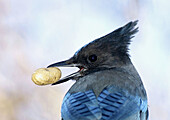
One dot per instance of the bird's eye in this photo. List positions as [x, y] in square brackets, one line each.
[92, 58]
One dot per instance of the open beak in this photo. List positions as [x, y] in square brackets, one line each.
[69, 63]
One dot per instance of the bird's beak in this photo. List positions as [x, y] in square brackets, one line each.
[68, 63]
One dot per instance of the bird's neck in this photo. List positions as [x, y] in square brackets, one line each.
[129, 68]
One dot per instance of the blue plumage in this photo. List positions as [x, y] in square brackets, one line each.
[81, 105]
[109, 105]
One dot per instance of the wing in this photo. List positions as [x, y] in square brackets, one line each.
[80, 106]
[119, 105]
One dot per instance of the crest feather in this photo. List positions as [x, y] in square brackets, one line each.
[116, 42]
[120, 38]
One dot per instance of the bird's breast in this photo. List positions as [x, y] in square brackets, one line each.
[97, 81]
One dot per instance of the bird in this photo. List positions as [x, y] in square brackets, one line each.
[107, 87]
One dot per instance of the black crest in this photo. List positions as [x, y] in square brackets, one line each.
[122, 37]
[116, 42]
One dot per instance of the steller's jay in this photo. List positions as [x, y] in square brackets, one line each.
[107, 86]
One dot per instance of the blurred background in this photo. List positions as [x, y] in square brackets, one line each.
[36, 33]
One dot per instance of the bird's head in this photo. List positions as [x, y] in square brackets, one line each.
[107, 52]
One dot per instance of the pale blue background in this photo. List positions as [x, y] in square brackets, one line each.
[35, 33]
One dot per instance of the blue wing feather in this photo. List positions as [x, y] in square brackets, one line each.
[118, 104]
[111, 104]
[81, 105]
